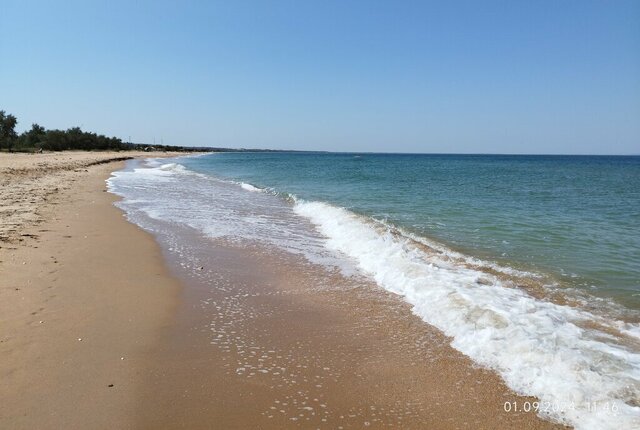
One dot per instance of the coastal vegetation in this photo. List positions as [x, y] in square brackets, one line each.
[40, 139]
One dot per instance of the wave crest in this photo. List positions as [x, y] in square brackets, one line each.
[553, 352]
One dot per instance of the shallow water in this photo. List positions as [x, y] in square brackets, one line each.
[579, 355]
[576, 217]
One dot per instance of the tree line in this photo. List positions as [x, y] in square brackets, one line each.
[38, 138]
[53, 140]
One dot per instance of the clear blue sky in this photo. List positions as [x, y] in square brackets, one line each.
[400, 76]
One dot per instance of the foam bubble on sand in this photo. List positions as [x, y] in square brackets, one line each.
[587, 378]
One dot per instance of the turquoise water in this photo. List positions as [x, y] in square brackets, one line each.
[573, 217]
[570, 220]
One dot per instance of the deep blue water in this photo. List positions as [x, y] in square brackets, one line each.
[574, 217]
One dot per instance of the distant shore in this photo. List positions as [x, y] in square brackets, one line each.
[98, 330]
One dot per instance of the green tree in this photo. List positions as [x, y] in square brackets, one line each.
[8, 134]
[36, 129]
[35, 136]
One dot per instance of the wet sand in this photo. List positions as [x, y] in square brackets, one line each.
[102, 328]
[289, 345]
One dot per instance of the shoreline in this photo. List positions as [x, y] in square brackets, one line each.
[83, 293]
[291, 353]
[359, 352]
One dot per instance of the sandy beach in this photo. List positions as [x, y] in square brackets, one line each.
[82, 295]
[100, 328]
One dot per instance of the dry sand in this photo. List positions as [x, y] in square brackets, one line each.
[82, 294]
[97, 332]
[28, 182]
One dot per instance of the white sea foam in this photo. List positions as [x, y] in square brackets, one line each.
[219, 209]
[539, 348]
[473, 261]
[250, 187]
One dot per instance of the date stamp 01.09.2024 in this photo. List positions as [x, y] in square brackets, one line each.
[556, 407]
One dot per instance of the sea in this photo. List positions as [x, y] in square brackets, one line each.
[529, 264]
